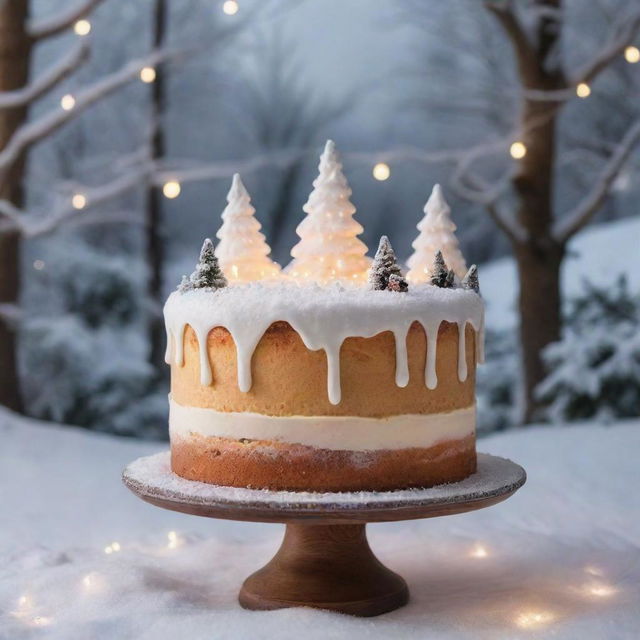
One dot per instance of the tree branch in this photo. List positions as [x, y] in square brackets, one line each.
[503, 11]
[577, 218]
[624, 32]
[30, 225]
[49, 79]
[34, 131]
[481, 192]
[48, 27]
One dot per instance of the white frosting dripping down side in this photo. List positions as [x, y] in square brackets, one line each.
[342, 433]
[324, 317]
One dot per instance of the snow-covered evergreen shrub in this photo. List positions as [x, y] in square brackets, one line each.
[497, 382]
[594, 370]
[84, 352]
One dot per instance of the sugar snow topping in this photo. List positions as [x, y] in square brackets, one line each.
[323, 317]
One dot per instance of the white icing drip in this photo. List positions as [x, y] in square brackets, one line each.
[203, 353]
[402, 359]
[462, 352]
[177, 338]
[430, 377]
[333, 372]
[323, 317]
[480, 342]
[343, 433]
[169, 350]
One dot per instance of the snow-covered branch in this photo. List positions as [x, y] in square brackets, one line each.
[95, 196]
[624, 32]
[47, 27]
[474, 188]
[586, 208]
[34, 131]
[49, 79]
[504, 13]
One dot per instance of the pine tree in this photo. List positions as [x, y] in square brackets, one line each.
[185, 285]
[328, 247]
[208, 274]
[450, 279]
[470, 280]
[242, 250]
[385, 269]
[384, 264]
[436, 234]
[439, 271]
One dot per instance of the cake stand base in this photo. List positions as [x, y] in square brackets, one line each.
[326, 567]
[325, 560]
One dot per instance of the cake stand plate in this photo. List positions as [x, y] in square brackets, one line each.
[325, 560]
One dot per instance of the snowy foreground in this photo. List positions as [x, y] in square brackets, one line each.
[81, 557]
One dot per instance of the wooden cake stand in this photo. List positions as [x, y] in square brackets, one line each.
[325, 560]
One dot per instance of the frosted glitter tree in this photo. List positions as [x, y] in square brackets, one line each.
[207, 274]
[328, 248]
[436, 234]
[242, 250]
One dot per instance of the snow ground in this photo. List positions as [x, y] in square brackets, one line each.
[562, 555]
[600, 254]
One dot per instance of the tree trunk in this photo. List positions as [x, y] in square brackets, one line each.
[154, 239]
[539, 307]
[539, 256]
[15, 57]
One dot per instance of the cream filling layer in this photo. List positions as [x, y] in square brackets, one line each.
[343, 433]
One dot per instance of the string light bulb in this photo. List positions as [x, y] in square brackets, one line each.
[171, 189]
[532, 619]
[479, 551]
[632, 54]
[79, 201]
[599, 590]
[230, 7]
[583, 90]
[82, 27]
[518, 150]
[147, 74]
[67, 102]
[381, 171]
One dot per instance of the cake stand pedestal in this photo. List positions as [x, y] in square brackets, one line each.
[325, 560]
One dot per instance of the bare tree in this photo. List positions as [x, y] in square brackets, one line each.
[153, 221]
[19, 35]
[522, 199]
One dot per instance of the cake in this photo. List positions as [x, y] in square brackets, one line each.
[324, 377]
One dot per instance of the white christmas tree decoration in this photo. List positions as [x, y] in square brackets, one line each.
[242, 250]
[436, 234]
[328, 248]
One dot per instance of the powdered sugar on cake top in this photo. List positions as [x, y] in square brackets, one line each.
[323, 316]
